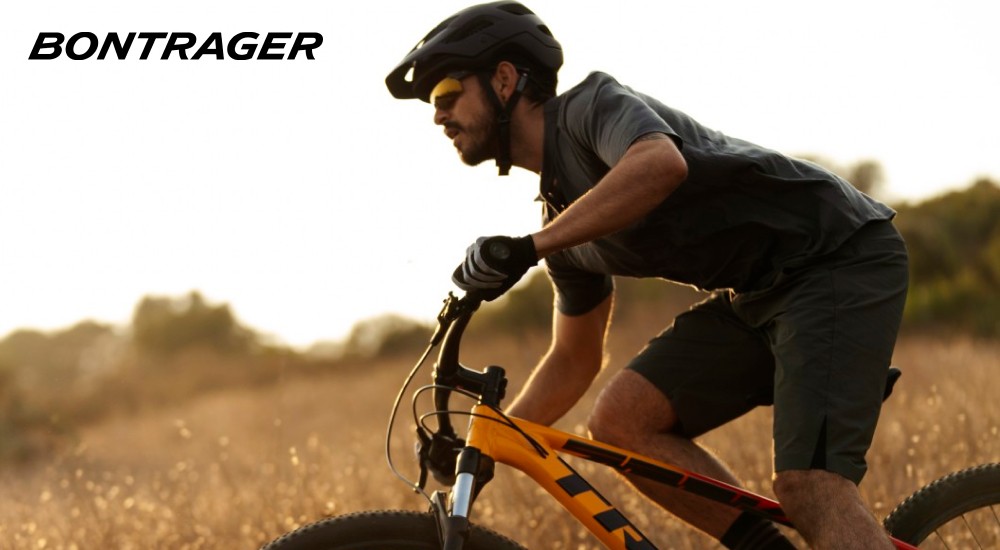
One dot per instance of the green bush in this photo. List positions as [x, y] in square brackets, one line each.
[954, 246]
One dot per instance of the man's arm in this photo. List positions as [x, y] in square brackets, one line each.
[650, 170]
[567, 369]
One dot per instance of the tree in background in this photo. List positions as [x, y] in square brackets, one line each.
[954, 245]
[384, 335]
[39, 374]
[167, 325]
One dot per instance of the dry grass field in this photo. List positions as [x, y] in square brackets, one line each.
[234, 469]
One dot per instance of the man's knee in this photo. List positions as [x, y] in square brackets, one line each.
[827, 510]
[790, 486]
[630, 408]
[604, 425]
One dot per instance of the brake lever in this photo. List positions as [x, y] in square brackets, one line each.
[453, 308]
[421, 446]
[438, 454]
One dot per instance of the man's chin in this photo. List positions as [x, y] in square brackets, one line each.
[473, 159]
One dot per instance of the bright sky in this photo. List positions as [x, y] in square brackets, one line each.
[303, 195]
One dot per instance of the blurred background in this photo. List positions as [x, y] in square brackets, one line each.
[209, 266]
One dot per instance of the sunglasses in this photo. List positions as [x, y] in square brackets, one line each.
[445, 92]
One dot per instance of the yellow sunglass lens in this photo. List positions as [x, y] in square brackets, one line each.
[448, 85]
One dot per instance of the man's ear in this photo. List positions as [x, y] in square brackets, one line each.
[504, 80]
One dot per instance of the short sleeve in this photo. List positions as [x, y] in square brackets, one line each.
[610, 117]
[577, 291]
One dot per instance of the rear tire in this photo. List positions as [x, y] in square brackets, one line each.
[383, 529]
[960, 510]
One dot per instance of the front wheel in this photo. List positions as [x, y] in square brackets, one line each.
[960, 510]
[380, 530]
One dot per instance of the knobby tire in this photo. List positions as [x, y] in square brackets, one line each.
[960, 510]
[383, 529]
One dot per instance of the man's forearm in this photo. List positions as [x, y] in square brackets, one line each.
[648, 173]
[552, 389]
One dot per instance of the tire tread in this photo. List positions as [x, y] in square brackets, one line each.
[943, 500]
[352, 530]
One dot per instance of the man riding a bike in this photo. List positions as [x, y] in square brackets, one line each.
[808, 275]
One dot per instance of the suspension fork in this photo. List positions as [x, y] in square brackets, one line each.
[473, 471]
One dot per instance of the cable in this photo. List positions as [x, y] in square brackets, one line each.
[504, 419]
[392, 419]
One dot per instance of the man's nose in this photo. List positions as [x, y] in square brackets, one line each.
[440, 116]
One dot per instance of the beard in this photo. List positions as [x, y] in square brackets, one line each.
[481, 141]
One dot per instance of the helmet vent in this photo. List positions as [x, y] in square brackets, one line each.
[546, 30]
[437, 30]
[472, 27]
[516, 9]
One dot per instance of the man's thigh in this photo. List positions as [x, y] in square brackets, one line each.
[710, 365]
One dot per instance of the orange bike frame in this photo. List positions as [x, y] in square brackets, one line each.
[492, 435]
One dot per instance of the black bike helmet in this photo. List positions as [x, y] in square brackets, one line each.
[476, 38]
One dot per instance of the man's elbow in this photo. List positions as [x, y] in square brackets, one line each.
[676, 172]
[662, 159]
[668, 167]
[673, 167]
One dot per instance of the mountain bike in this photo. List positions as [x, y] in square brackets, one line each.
[959, 510]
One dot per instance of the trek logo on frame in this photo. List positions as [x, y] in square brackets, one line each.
[177, 45]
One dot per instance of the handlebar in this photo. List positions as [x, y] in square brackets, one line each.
[457, 312]
[452, 321]
[438, 450]
[449, 373]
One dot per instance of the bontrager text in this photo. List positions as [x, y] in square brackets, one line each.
[177, 45]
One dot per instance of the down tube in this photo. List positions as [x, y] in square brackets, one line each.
[496, 439]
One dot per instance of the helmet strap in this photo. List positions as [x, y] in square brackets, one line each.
[503, 117]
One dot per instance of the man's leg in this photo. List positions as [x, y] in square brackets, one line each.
[633, 414]
[703, 371]
[828, 511]
[832, 327]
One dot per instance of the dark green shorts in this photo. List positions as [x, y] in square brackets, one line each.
[817, 345]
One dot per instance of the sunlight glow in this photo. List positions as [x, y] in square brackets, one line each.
[303, 195]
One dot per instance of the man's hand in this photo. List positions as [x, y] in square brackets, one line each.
[494, 264]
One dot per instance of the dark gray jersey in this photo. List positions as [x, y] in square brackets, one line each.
[743, 214]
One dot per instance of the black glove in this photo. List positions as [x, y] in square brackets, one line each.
[494, 264]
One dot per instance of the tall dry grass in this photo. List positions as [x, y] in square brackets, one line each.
[236, 468]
